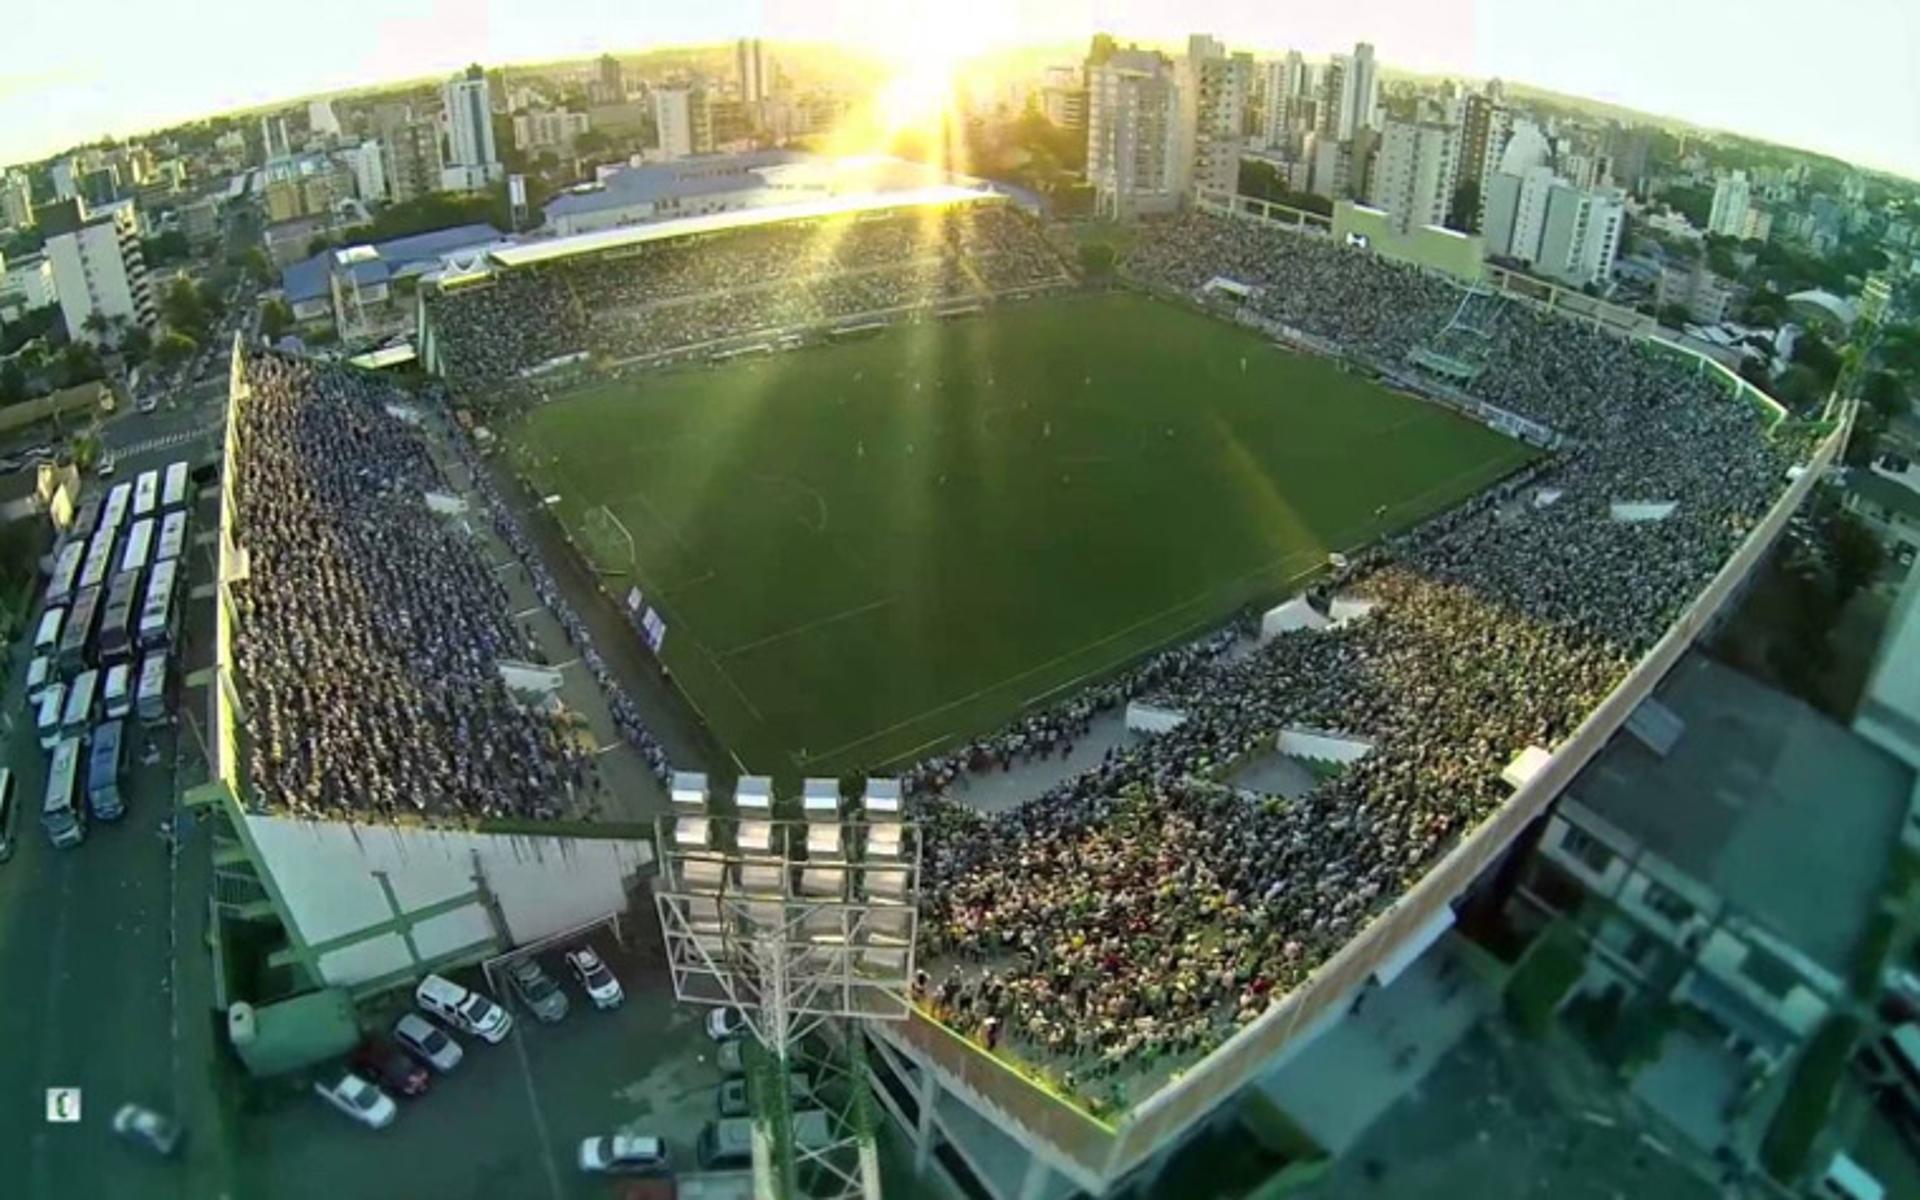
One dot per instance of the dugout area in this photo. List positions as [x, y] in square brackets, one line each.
[865, 551]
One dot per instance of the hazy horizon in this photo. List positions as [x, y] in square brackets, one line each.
[1717, 66]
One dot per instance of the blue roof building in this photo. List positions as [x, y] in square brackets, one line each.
[353, 286]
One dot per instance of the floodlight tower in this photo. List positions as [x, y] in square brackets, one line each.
[797, 922]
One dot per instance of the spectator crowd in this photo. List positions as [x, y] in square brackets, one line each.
[1136, 914]
[675, 295]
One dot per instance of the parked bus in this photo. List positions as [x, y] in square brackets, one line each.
[66, 572]
[106, 768]
[46, 722]
[176, 493]
[115, 513]
[99, 561]
[150, 699]
[139, 551]
[86, 520]
[146, 494]
[65, 821]
[116, 694]
[80, 698]
[159, 616]
[39, 678]
[76, 636]
[173, 536]
[46, 639]
[117, 619]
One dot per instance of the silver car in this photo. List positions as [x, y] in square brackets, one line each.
[537, 990]
[428, 1042]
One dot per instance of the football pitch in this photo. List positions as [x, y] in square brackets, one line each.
[867, 550]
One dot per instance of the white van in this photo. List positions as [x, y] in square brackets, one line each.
[39, 677]
[117, 694]
[46, 639]
[53, 704]
[465, 1010]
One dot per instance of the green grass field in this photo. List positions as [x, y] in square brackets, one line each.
[864, 551]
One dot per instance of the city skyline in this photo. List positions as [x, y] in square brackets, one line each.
[1717, 66]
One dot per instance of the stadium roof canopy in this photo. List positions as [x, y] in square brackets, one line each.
[633, 235]
[380, 261]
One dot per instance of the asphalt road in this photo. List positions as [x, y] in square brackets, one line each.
[107, 986]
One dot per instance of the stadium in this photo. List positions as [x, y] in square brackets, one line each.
[889, 490]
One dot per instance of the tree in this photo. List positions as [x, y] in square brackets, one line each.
[1882, 390]
[173, 348]
[1763, 306]
[1463, 213]
[166, 248]
[13, 383]
[95, 323]
[79, 362]
[183, 309]
[1857, 554]
[275, 319]
[1673, 316]
[1817, 355]
[319, 244]
[86, 451]
[135, 344]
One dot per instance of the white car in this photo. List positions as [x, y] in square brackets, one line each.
[595, 980]
[428, 1042]
[360, 1100]
[624, 1154]
[107, 467]
[148, 404]
[725, 1024]
[464, 1010]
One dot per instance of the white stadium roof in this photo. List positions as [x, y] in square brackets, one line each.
[633, 235]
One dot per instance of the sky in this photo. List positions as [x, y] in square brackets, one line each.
[1841, 76]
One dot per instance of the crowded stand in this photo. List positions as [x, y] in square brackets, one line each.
[672, 295]
[1138, 913]
[370, 631]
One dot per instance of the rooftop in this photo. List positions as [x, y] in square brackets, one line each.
[1889, 494]
[769, 177]
[378, 261]
[1760, 788]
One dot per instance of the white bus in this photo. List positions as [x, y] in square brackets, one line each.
[46, 722]
[99, 561]
[159, 616]
[46, 639]
[173, 536]
[76, 635]
[146, 494]
[117, 619]
[78, 716]
[65, 820]
[115, 513]
[139, 549]
[66, 571]
[177, 491]
[116, 695]
[150, 701]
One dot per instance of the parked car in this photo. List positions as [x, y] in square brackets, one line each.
[731, 1058]
[390, 1067]
[428, 1042]
[733, 1094]
[595, 980]
[144, 1127]
[624, 1154]
[106, 466]
[148, 404]
[537, 990]
[724, 1024]
[465, 1010]
[360, 1100]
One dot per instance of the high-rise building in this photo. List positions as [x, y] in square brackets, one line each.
[1582, 235]
[1514, 213]
[613, 79]
[1333, 87]
[1213, 88]
[750, 66]
[1484, 127]
[1285, 98]
[16, 201]
[1359, 92]
[369, 172]
[98, 270]
[548, 129]
[321, 119]
[1731, 195]
[1414, 172]
[472, 159]
[66, 181]
[409, 152]
[274, 142]
[1063, 98]
[1133, 134]
[682, 121]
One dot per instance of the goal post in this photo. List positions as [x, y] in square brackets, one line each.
[606, 543]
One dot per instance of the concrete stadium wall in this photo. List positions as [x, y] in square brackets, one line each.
[1461, 255]
[447, 891]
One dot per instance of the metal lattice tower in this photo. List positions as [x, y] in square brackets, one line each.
[802, 923]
